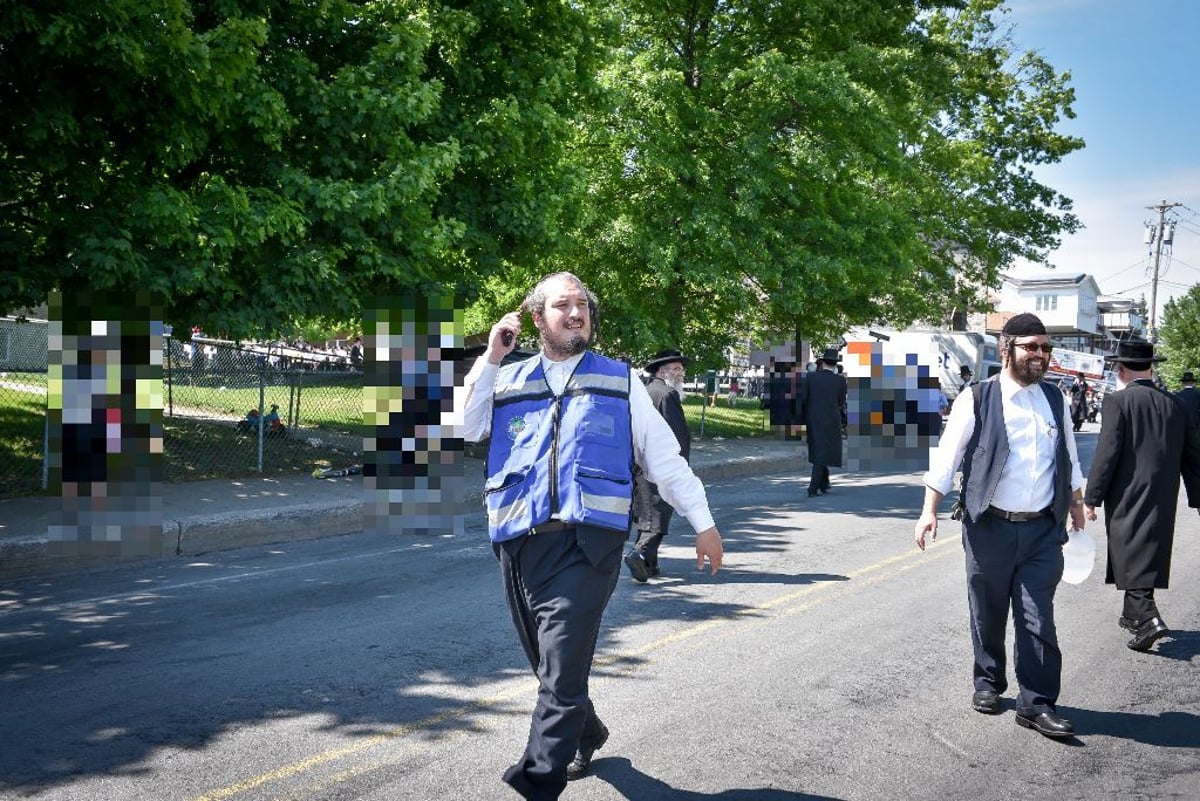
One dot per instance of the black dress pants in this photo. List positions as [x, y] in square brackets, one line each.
[1015, 565]
[648, 539]
[818, 480]
[1140, 605]
[557, 586]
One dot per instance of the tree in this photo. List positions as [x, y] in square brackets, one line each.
[256, 162]
[762, 168]
[1179, 336]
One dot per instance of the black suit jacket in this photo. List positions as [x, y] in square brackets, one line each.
[1146, 444]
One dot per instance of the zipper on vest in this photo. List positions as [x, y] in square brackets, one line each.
[555, 416]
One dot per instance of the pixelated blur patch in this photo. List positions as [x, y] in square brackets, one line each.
[412, 454]
[105, 424]
[892, 410]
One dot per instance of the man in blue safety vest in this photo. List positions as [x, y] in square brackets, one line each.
[567, 426]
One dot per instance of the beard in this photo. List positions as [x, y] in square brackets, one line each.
[565, 345]
[1029, 371]
[677, 385]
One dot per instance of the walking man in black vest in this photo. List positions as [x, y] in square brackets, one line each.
[1021, 479]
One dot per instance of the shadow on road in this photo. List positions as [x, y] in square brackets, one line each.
[633, 784]
[1167, 730]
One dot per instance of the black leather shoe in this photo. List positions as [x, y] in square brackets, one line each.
[986, 701]
[637, 566]
[1127, 623]
[583, 757]
[812, 493]
[1146, 633]
[1047, 723]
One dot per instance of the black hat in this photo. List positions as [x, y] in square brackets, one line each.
[1135, 351]
[830, 356]
[1188, 376]
[1024, 325]
[666, 357]
[965, 370]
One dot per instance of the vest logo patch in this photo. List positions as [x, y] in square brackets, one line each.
[515, 427]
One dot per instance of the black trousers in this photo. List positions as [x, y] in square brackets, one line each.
[818, 480]
[1015, 565]
[1140, 605]
[557, 587]
[648, 539]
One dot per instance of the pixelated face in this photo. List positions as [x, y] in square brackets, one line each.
[565, 321]
[1030, 359]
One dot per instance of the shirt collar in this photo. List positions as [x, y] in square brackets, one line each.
[1009, 388]
[568, 365]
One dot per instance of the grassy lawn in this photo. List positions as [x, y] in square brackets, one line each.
[201, 449]
[22, 432]
[325, 401]
[743, 419]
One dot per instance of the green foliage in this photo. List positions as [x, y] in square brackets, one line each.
[1179, 337]
[763, 168]
[254, 163]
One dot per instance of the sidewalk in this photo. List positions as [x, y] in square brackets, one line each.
[204, 516]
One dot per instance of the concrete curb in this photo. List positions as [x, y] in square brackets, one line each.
[32, 556]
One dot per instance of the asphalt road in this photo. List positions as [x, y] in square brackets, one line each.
[830, 659]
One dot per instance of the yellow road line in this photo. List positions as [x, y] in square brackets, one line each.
[486, 704]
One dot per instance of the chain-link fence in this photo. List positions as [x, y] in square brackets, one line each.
[227, 412]
[236, 411]
[22, 431]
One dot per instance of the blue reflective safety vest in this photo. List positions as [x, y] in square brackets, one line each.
[567, 456]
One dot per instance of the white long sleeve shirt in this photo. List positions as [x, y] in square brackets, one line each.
[655, 448]
[1027, 481]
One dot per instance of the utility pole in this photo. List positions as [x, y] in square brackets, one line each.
[1157, 237]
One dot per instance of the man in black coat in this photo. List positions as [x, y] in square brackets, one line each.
[1190, 395]
[1146, 443]
[652, 515]
[822, 405]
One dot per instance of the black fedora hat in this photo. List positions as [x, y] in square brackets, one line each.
[666, 357]
[1135, 351]
[830, 356]
[1188, 376]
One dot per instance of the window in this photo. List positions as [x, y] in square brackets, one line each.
[1046, 303]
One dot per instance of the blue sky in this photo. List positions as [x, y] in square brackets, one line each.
[1135, 67]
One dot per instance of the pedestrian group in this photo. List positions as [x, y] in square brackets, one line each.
[578, 447]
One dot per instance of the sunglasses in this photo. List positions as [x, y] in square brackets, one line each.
[1034, 347]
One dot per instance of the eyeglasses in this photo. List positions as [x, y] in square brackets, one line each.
[1034, 347]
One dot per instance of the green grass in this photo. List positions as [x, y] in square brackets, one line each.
[743, 419]
[199, 449]
[333, 403]
[22, 432]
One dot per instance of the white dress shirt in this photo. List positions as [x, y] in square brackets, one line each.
[1027, 481]
[654, 445]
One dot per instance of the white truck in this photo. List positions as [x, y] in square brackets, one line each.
[949, 349]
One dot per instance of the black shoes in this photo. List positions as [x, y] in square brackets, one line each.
[1127, 623]
[1147, 633]
[1046, 723]
[583, 758]
[637, 566]
[986, 701]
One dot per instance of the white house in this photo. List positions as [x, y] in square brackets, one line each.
[1066, 303]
